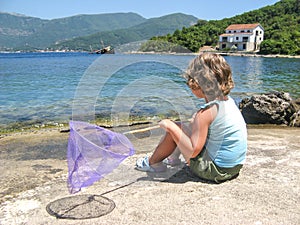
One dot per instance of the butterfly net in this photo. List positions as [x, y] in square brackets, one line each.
[93, 152]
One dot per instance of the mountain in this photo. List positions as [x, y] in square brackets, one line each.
[23, 32]
[151, 27]
[280, 22]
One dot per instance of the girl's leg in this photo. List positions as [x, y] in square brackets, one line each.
[165, 148]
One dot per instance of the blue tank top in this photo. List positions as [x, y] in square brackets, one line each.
[227, 135]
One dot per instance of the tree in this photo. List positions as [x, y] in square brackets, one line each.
[280, 21]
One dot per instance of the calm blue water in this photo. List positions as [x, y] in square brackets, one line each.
[37, 88]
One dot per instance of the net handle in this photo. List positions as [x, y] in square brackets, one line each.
[142, 130]
[148, 128]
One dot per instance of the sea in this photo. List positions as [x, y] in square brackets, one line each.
[52, 88]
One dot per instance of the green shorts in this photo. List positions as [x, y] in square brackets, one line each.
[203, 167]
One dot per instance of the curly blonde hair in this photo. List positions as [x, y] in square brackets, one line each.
[212, 74]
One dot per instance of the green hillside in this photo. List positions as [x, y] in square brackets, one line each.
[281, 23]
[14, 28]
[23, 32]
[143, 31]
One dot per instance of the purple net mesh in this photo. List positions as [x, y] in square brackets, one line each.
[93, 152]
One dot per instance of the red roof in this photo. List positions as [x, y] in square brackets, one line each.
[239, 33]
[226, 35]
[242, 26]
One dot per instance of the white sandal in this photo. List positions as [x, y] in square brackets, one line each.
[142, 164]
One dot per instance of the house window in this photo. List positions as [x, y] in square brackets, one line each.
[257, 32]
[229, 32]
[234, 31]
[237, 38]
[244, 46]
[245, 39]
[224, 39]
[223, 46]
[248, 31]
[242, 31]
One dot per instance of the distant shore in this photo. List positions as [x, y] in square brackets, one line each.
[241, 54]
[258, 55]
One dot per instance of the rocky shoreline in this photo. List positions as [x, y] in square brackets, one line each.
[268, 108]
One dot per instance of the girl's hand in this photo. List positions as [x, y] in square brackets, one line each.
[165, 124]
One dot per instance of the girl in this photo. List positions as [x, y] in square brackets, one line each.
[215, 143]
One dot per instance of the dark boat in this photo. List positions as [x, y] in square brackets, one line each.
[103, 50]
[106, 50]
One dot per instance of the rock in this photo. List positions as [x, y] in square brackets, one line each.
[295, 120]
[271, 108]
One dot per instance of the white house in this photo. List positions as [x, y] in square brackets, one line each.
[242, 37]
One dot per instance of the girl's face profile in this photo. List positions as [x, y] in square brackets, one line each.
[198, 93]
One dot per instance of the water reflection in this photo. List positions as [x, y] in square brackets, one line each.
[247, 74]
[254, 75]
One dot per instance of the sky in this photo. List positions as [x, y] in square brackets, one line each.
[202, 9]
